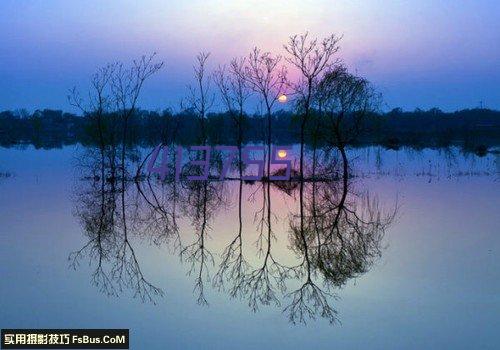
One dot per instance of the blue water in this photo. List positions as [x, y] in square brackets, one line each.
[436, 284]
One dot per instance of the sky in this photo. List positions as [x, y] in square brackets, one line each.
[417, 53]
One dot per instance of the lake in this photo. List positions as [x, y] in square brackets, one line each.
[404, 255]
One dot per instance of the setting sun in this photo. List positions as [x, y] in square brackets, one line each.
[282, 99]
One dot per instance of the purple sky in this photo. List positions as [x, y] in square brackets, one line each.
[417, 53]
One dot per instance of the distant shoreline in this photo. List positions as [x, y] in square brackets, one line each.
[473, 130]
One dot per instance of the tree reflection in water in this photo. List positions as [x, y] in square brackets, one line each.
[335, 234]
[107, 217]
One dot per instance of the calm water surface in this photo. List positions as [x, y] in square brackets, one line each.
[419, 267]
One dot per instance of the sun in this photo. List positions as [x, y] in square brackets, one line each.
[282, 153]
[282, 98]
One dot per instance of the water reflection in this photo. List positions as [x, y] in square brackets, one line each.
[107, 218]
[335, 231]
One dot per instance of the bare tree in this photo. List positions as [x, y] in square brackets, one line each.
[346, 100]
[99, 100]
[114, 92]
[98, 104]
[126, 86]
[200, 98]
[267, 78]
[234, 92]
[312, 58]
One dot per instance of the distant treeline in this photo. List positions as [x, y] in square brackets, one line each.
[473, 129]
